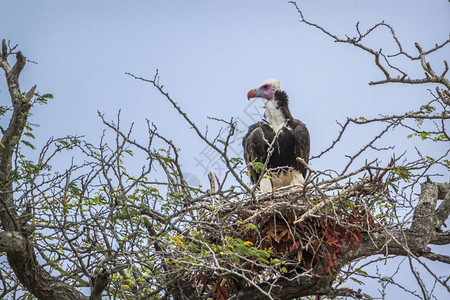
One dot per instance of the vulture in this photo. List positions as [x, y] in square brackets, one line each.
[278, 140]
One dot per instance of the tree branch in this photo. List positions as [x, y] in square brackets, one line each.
[99, 283]
[14, 239]
[431, 76]
[23, 261]
[443, 211]
[424, 213]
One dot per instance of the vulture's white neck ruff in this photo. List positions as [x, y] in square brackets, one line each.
[274, 116]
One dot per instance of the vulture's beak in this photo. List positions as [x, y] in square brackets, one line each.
[252, 94]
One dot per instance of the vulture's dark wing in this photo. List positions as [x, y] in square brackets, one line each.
[302, 144]
[292, 142]
[255, 146]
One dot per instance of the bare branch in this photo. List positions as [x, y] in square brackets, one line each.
[431, 76]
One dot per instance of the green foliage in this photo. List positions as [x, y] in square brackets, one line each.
[202, 251]
[28, 170]
[440, 137]
[28, 144]
[236, 161]
[124, 284]
[403, 172]
[236, 248]
[426, 135]
[3, 110]
[447, 162]
[42, 99]
[427, 109]
[250, 226]
[257, 166]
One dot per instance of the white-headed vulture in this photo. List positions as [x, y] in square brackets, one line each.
[277, 140]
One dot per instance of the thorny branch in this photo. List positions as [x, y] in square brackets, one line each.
[431, 75]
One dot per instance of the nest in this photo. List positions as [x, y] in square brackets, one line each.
[300, 234]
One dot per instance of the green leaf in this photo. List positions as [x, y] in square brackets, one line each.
[257, 166]
[440, 137]
[26, 143]
[275, 261]
[424, 135]
[236, 161]
[357, 281]
[250, 226]
[403, 172]
[428, 108]
[29, 134]
[42, 99]
[362, 272]
[447, 162]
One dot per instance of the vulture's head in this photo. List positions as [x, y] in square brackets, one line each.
[266, 90]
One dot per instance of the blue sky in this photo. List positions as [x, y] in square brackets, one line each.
[209, 54]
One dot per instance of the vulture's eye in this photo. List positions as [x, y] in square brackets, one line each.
[265, 87]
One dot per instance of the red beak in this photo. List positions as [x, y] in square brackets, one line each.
[251, 94]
